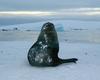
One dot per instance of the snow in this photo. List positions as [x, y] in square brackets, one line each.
[81, 44]
[14, 64]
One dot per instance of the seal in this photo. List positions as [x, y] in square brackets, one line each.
[44, 52]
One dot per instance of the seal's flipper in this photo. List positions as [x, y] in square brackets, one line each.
[71, 60]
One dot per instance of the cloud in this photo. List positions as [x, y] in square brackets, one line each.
[59, 12]
[6, 5]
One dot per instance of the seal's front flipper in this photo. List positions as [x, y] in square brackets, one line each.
[71, 60]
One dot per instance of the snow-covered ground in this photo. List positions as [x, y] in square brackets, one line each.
[82, 43]
[14, 64]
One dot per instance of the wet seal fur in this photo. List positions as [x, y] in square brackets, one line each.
[44, 52]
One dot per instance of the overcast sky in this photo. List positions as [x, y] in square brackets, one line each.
[37, 10]
[26, 5]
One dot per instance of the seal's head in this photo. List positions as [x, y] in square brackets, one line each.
[48, 27]
[48, 33]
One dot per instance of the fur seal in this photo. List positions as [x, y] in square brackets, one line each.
[44, 52]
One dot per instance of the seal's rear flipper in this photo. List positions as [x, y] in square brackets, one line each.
[71, 60]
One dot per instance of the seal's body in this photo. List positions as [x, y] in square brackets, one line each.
[44, 51]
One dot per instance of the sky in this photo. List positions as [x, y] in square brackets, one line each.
[27, 5]
[47, 7]
[50, 9]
